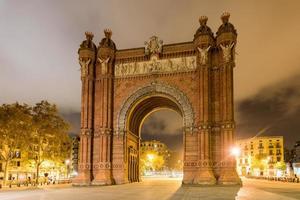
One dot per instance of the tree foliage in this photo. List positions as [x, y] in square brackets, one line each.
[152, 161]
[260, 161]
[280, 166]
[15, 126]
[49, 138]
[39, 130]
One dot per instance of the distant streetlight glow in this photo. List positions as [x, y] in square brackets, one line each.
[67, 161]
[150, 157]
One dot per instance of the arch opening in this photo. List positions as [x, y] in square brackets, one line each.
[147, 106]
[161, 148]
[138, 113]
[135, 110]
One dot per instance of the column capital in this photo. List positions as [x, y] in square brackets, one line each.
[86, 132]
[102, 131]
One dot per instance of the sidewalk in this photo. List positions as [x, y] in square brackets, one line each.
[22, 188]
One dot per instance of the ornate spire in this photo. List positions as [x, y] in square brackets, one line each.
[225, 17]
[226, 25]
[203, 20]
[89, 35]
[203, 29]
[107, 33]
[88, 43]
[107, 41]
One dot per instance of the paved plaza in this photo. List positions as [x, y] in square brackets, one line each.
[159, 189]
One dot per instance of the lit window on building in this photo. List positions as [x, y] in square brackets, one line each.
[278, 145]
[18, 154]
[278, 151]
[278, 159]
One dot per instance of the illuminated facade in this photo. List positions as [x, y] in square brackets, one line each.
[154, 145]
[20, 168]
[259, 156]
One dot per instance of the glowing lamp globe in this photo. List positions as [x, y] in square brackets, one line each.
[235, 151]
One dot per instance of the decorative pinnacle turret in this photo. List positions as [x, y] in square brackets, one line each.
[89, 35]
[203, 20]
[107, 33]
[225, 17]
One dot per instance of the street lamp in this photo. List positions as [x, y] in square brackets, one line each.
[235, 151]
[150, 157]
[68, 166]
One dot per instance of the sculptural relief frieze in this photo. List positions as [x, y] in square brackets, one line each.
[156, 65]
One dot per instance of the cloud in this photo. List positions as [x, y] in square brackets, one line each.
[73, 118]
[165, 126]
[163, 122]
[40, 39]
[274, 110]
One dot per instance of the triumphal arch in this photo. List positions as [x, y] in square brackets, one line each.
[121, 87]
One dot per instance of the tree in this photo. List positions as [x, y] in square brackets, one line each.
[151, 160]
[280, 166]
[15, 128]
[50, 140]
[260, 161]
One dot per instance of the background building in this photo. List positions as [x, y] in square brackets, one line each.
[155, 156]
[22, 168]
[74, 155]
[296, 159]
[261, 156]
[18, 168]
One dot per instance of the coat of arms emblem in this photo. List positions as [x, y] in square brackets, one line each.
[153, 46]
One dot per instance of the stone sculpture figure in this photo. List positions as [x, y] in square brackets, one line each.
[203, 55]
[136, 68]
[227, 51]
[104, 67]
[84, 66]
[192, 63]
[169, 65]
[145, 68]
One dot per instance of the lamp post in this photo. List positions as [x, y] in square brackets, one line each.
[67, 162]
[235, 151]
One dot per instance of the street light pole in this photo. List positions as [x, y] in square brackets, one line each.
[68, 167]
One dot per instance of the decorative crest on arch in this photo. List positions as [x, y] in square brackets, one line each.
[153, 46]
[157, 88]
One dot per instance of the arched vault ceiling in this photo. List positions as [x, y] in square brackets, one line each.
[146, 106]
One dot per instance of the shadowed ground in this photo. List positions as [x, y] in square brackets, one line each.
[159, 189]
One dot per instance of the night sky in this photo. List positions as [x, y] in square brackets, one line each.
[39, 42]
